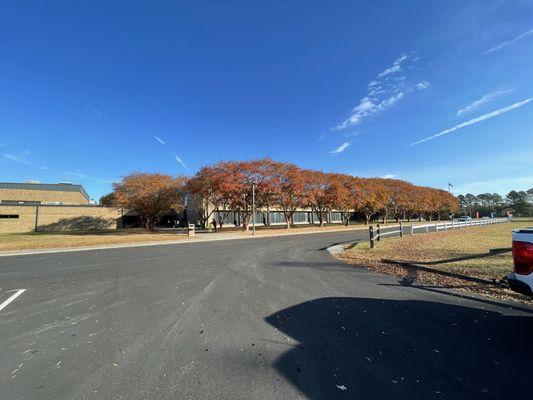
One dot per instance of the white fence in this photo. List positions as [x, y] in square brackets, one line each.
[399, 230]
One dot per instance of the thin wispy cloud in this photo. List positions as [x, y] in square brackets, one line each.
[391, 70]
[78, 175]
[17, 158]
[157, 138]
[389, 176]
[341, 148]
[482, 101]
[179, 160]
[22, 158]
[474, 121]
[509, 42]
[98, 113]
[389, 87]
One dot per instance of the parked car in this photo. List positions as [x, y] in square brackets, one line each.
[521, 280]
[464, 218]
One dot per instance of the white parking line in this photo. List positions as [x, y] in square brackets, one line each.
[5, 303]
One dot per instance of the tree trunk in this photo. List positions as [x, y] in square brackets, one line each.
[150, 224]
[246, 222]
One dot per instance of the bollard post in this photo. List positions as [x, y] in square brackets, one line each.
[427, 228]
[436, 227]
[371, 236]
[412, 229]
[378, 234]
[401, 229]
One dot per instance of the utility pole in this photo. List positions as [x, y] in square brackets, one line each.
[253, 208]
[449, 187]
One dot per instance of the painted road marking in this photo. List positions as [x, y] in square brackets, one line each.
[6, 303]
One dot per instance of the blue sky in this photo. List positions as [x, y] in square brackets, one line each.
[430, 92]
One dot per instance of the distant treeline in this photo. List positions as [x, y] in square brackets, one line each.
[520, 203]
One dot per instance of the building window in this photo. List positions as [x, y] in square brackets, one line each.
[24, 202]
[260, 218]
[300, 217]
[9, 216]
[229, 217]
[336, 217]
[277, 217]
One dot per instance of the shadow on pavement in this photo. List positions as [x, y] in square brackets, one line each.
[446, 291]
[375, 349]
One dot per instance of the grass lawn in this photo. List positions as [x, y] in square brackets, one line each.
[66, 239]
[43, 240]
[459, 259]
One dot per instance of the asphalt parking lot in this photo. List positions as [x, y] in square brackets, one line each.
[269, 318]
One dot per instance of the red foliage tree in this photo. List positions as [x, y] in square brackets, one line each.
[149, 195]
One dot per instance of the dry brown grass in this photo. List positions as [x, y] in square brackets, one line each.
[51, 240]
[47, 240]
[460, 253]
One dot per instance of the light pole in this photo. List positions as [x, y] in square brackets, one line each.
[253, 208]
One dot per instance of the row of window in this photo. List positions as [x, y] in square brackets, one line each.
[276, 217]
[9, 216]
[23, 202]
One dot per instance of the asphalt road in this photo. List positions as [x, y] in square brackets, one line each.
[268, 318]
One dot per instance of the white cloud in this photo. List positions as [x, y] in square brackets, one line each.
[98, 113]
[400, 59]
[387, 89]
[22, 158]
[160, 140]
[341, 148]
[179, 160]
[474, 121]
[509, 42]
[391, 70]
[483, 100]
[19, 159]
[389, 176]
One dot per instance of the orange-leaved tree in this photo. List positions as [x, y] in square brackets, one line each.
[317, 193]
[287, 189]
[344, 194]
[150, 195]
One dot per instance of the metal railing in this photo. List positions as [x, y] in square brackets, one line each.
[375, 235]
